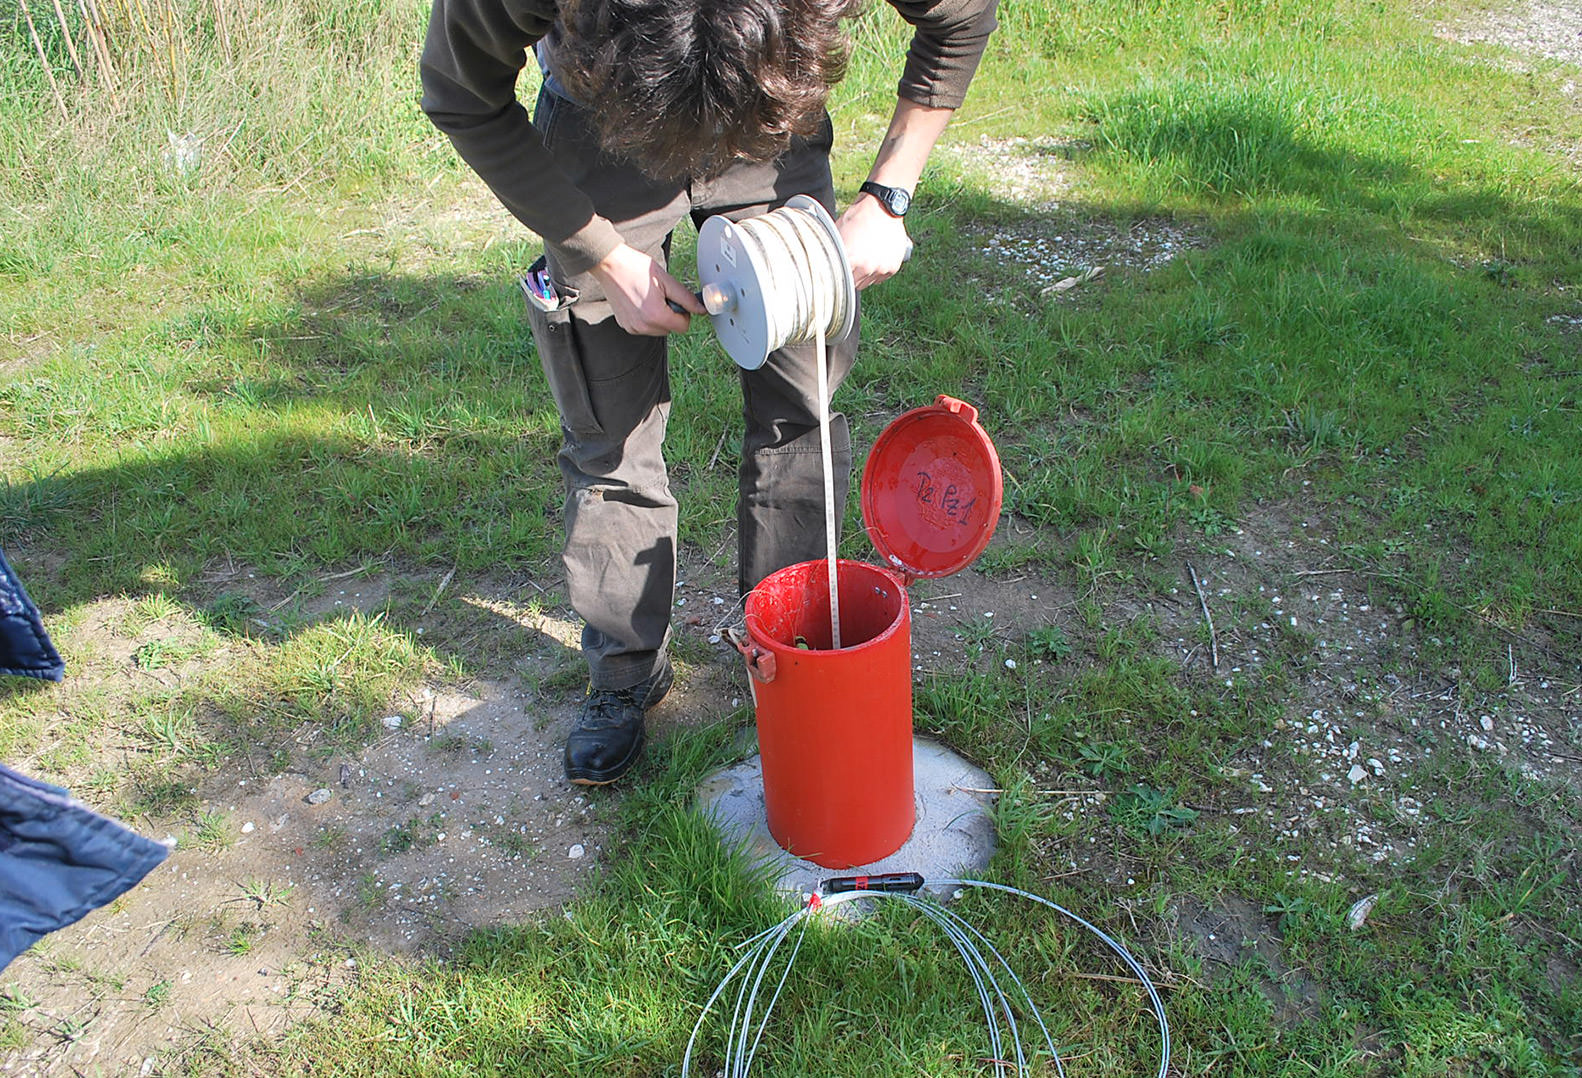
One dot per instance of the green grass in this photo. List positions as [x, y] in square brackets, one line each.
[210, 831]
[242, 939]
[156, 995]
[221, 390]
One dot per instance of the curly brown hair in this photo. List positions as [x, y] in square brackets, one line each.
[685, 87]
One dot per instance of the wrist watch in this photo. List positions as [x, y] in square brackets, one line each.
[895, 200]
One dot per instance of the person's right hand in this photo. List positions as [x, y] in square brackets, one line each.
[638, 289]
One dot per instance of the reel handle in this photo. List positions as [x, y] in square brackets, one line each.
[678, 308]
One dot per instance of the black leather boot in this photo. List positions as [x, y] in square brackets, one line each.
[608, 736]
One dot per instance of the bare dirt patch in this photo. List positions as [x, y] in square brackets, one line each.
[1231, 934]
[462, 822]
[1066, 247]
[1036, 172]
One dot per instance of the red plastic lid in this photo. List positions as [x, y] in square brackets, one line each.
[931, 490]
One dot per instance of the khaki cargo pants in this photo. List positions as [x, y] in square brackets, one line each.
[612, 390]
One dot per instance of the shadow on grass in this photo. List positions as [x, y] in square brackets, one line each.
[350, 431]
[1233, 140]
[383, 430]
[1336, 326]
[377, 416]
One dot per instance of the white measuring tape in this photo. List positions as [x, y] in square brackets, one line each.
[779, 279]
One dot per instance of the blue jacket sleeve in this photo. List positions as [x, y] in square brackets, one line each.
[59, 860]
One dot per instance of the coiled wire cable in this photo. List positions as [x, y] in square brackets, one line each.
[970, 944]
[963, 934]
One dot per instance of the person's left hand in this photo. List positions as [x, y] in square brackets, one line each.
[876, 243]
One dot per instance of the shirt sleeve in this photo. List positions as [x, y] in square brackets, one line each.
[472, 56]
[947, 44]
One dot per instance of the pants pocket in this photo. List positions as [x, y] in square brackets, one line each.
[605, 381]
[560, 357]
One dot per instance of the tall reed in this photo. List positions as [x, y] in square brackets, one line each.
[117, 103]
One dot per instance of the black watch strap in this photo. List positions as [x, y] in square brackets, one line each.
[895, 200]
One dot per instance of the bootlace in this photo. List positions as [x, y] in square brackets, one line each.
[608, 708]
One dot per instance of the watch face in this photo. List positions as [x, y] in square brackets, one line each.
[897, 200]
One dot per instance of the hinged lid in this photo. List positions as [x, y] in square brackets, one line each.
[931, 490]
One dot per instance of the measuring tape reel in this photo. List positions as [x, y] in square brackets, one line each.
[777, 279]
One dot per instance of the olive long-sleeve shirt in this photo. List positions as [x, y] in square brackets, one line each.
[476, 49]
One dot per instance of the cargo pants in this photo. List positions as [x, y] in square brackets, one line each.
[612, 390]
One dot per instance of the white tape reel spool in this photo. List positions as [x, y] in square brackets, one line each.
[777, 279]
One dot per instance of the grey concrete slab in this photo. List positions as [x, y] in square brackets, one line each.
[954, 835]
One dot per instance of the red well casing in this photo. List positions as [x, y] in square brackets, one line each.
[835, 726]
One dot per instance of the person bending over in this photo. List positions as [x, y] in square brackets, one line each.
[650, 110]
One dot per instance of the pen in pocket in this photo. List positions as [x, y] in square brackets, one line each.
[539, 289]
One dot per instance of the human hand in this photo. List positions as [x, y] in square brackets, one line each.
[876, 243]
[640, 291]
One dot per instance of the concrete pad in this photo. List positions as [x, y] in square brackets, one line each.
[954, 835]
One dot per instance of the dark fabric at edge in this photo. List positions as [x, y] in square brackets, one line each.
[25, 648]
